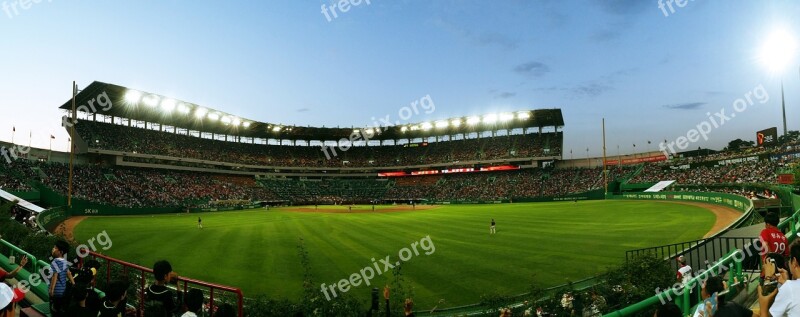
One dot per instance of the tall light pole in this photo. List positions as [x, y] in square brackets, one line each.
[783, 107]
[777, 53]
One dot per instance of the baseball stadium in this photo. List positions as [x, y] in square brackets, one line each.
[230, 201]
[163, 206]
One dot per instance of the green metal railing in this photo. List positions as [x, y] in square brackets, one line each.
[732, 261]
[40, 290]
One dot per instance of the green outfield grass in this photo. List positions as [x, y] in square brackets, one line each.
[549, 243]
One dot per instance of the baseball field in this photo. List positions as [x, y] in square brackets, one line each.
[450, 253]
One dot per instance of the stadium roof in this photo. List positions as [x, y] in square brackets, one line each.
[154, 108]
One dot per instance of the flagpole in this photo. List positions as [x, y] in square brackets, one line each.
[13, 132]
[605, 179]
[72, 145]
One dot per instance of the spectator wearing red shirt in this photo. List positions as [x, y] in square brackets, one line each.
[772, 239]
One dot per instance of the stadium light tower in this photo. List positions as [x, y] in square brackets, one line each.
[777, 53]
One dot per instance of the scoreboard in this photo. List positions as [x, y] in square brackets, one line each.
[767, 137]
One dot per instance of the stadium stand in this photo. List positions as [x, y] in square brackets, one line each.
[761, 171]
[107, 136]
[136, 187]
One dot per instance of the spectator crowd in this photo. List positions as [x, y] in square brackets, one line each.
[107, 136]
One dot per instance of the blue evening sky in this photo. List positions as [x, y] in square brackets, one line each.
[653, 77]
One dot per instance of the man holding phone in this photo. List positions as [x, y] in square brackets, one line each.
[771, 267]
[783, 301]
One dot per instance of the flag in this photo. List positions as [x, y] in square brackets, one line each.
[648, 142]
[52, 137]
[14, 129]
[634, 145]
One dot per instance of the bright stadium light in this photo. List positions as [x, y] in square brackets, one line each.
[213, 116]
[246, 124]
[777, 53]
[490, 118]
[426, 126]
[403, 129]
[414, 127]
[368, 131]
[441, 124]
[133, 96]
[168, 104]
[183, 108]
[356, 131]
[455, 123]
[473, 120]
[236, 121]
[523, 115]
[276, 129]
[226, 120]
[778, 50]
[505, 117]
[151, 100]
[200, 112]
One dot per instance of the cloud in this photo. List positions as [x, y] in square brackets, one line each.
[685, 106]
[592, 88]
[535, 69]
[303, 110]
[624, 7]
[482, 39]
[606, 35]
[497, 39]
[505, 95]
[713, 93]
[624, 14]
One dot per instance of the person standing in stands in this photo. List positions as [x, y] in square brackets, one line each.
[159, 292]
[194, 303]
[78, 307]
[684, 271]
[683, 276]
[61, 276]
[116, 299]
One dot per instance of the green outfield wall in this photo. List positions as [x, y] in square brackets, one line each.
[734, 201]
